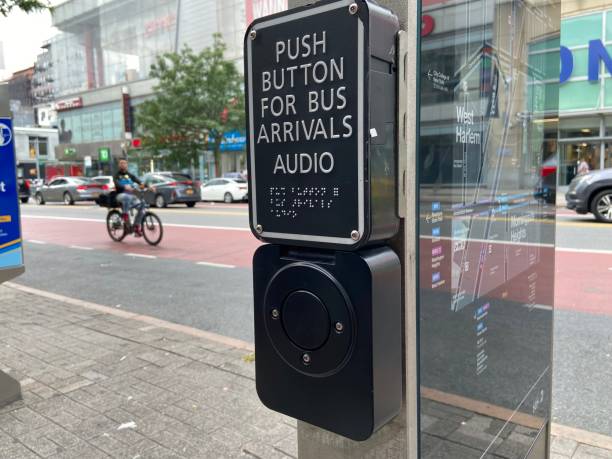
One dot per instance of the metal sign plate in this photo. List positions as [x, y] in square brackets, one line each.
[11, 255]
[305, 97]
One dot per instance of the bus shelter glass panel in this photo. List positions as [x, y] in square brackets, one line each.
[487, 226]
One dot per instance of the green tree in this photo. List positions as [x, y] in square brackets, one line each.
[6, 6]
[199, 97]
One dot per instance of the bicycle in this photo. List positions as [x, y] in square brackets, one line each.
[119, 227]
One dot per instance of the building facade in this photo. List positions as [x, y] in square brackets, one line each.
[20, 97]
[101, 58]
[585, 93]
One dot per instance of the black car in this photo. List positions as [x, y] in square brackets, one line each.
[171, 188]
[592, 192]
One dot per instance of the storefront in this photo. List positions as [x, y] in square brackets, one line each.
[585, 92]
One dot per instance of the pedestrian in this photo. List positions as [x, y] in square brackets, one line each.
[583, 167]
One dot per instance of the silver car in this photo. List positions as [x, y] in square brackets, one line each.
[68, 190]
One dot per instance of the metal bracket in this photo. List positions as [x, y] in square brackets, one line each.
[402, 129]
[407, 105]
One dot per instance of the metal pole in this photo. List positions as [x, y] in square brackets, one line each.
[37, 158]
[399, 438]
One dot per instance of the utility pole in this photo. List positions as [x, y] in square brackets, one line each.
[399, 438]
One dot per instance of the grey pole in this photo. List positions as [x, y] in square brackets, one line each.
[399, 438]
[10, 389]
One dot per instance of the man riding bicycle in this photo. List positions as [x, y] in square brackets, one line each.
[126, 185]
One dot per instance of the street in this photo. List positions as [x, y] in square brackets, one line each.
[200, 276]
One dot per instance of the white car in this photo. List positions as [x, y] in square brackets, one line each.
[225, 189]
[107, 182]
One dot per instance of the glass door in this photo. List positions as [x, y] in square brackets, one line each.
[575, 153]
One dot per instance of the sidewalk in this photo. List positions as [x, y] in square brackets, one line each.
[100, 382]
[97, 385]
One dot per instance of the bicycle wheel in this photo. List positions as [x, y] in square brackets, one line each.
[152, 228]
[114, 226]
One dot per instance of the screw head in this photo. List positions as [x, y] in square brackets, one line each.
[252, 34]
[259, 229]
[339, 327]
[353, 8]
[355, 235]
[306, 359]
[275, 313]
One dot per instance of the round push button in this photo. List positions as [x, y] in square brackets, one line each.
[306, 320]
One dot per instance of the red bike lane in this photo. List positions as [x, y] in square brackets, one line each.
[583, 280]
[198, 244]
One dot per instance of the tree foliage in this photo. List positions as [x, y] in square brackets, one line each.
[199, 97]
[6, 6]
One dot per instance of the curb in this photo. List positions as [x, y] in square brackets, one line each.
[191, 331]
[582, 436]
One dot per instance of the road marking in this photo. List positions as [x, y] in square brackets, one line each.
[214, 265]
[603, 252]
[171, 225]
[34, 241]
[80, 247]
[139, 255]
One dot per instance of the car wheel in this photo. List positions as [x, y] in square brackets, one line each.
[228, 198]
[190, 204]
[601, 206]
[24, 200]
[160, 201]
[39, 199]
[68, 200]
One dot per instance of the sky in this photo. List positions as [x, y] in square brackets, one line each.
[21, 36]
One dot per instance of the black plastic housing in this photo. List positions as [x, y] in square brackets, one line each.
[350, 381]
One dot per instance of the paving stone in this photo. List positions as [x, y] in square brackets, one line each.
[85, 373]
[563, 446]
[591, 452]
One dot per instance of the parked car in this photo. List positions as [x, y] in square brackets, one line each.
[68, 190]
[592, 193]
[225, 189]
[107, 182]
[171, 188]
[234, 175]
[24, 190]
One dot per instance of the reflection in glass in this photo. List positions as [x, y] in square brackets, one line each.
[488, 135]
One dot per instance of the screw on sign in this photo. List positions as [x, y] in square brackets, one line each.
[319, 146]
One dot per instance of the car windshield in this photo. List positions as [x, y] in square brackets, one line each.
[239, 180]
[101, 180]
[176, 177]
[81, 180]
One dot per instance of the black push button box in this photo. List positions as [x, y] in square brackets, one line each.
[328, 336]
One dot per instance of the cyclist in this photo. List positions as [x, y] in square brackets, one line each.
[126, 185]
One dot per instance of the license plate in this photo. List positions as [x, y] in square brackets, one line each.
[189, 192]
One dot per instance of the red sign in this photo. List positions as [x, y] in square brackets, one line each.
[427, 25]
[136, 143]
[68, 104]
[256, 9]
[157, 25]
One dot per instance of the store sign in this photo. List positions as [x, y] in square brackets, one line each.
[69, 151]
[104, 154]
[11, 252]
[158, 25]
[233, 141]
[69, 104]
[256, 9]
[427, 25]
[597, 53]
